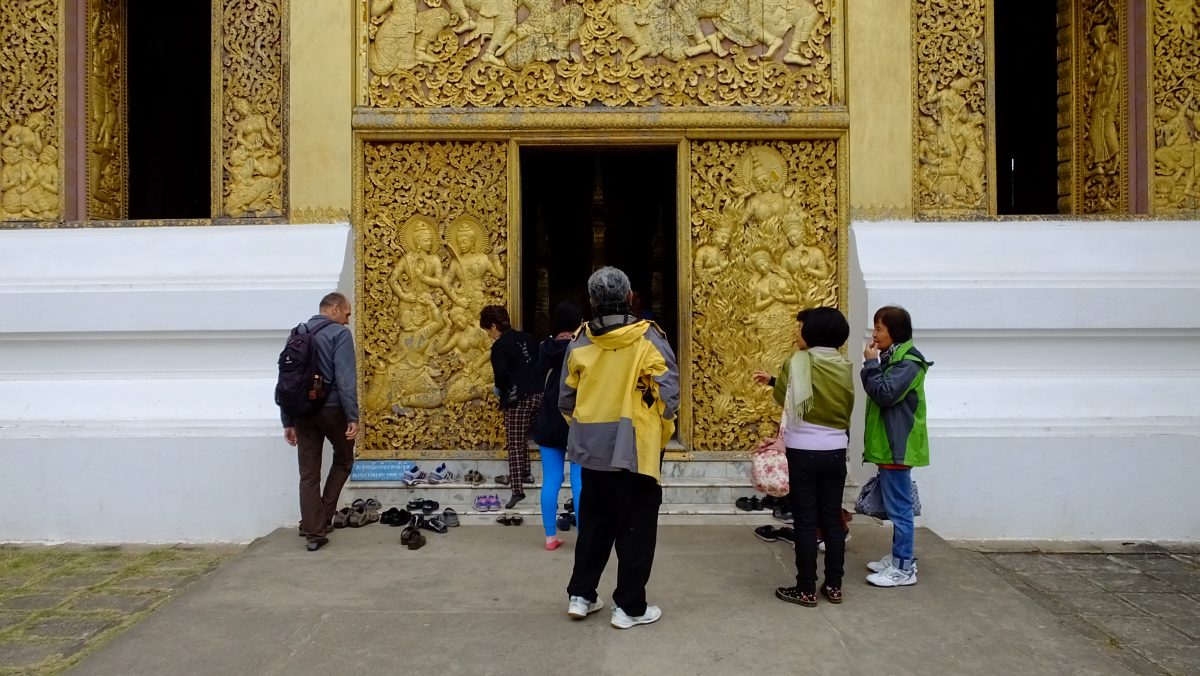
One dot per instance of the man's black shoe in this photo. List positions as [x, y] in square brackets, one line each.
[314, 545]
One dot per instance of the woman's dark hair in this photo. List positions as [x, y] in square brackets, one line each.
[494, 315]
[823, 327]
[897, 321]
[567, 317]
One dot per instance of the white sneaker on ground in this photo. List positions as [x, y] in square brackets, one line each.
[883, 564]
[622, 621]
[580, 607]
[893, 577]
[821, 545]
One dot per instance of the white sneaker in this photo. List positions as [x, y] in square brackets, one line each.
[884, 563]
[893, 577]
[580, 607]
[622, 621]
[821, 545]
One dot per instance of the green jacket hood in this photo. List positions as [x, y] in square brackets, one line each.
[907, 348]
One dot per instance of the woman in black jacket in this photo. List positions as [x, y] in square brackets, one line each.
[551, 431]
[514, 365]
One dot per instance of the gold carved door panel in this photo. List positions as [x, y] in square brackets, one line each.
[766, 242]
[432, 252]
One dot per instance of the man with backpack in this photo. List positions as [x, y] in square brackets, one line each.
[318, 400]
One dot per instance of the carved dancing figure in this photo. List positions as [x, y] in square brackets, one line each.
[935, 162]
[731, 17]
[462, 335]
[971, 148]
[650, 26]
[760, 198]
[711, 260]
[471, 262]
[402, 38]
[253, 181]
[1174, 154]
[419, 270]
[1103, 134]
[485, 26]
[406, 378]
[774, 302]
[779, 16]
[27, 137]
[43, 197]
[546, 34]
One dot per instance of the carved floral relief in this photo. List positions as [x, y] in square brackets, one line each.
[434, 235]
[949, 87]
[613, 52]
[1175, 34]
[106, 122]
[252, 107]
[764, 230]
[29, 117]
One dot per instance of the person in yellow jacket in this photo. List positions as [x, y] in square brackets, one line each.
[620, 395]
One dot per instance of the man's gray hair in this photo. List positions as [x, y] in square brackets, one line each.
[608, 285]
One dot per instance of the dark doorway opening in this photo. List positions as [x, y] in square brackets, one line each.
[584, 208]
[1026, 107]
[169, 109]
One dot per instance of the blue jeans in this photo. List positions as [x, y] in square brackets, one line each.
[552, 478]
[898, 502]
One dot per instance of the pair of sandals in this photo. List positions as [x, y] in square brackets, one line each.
[749, 504]
[423, 506]
[510, 519]
[360, 513]
[474, 477]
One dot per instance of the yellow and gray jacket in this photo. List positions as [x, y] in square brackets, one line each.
[620, 394]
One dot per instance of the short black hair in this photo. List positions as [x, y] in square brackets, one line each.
[823, 327]
[897, 321]
[567, 317]
[495, 315]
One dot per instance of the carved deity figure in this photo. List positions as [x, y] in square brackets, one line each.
[546, 34]
[1103, 73]
[27, 138]
[760, 197]
[474, 380]
[971, 149]
[936, 164]
[731, 17]
[652, 28]
[711, 259]
[953, 149]
[1175, 155]
[402, 35]
[419, 271]
[406, 379]
[484, 25]
[774, 18]
[254, 164]
[775, 303]
[43, 198]
[468, 242]
[18, 180]
[804, 259]
[104, 111]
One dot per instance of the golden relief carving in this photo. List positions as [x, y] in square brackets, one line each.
[252, 107]
[29, 119]
[433, 240]
[528, 53]
[1101, 127]
[1064, 39]
[950, 144]
[1176, 86]
[764, 231]
[106, 171]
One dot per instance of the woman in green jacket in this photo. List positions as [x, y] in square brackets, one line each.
[896, 439]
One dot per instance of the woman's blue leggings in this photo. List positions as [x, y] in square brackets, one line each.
[552, 478]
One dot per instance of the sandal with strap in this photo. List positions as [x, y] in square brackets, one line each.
[516, 519]
[450, 518]
[504, 519]
[435, 524]
[794, 595]
[342, 518]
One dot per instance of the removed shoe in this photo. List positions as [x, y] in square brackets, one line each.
[579, 607]
[342, 518]
[563, 522]
[893, 577]
[395, 517]
[622, 621]
[435, 524]
[473, 477]
[314, 545]
[429, 506]
[510, 519]
[450, 518]
[569, 505]
[786, 535]
[414, 476]
[782, 514]
[766, 533]
[481, 503]
[441, 475]
[502, 479]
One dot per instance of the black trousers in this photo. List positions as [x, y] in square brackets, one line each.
[622, 509]
[817, 481]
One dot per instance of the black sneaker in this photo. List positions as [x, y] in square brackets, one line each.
[786, 534]
[782, 515]
[766, 533]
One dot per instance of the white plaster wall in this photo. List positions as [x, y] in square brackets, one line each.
[1064, 402]
[137, 371]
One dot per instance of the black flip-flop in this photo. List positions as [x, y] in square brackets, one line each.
[429, 506]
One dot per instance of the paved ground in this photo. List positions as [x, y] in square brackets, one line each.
[1142, 601]
[59, 603]
[489, 599]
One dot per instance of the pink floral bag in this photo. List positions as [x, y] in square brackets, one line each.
[768, 460]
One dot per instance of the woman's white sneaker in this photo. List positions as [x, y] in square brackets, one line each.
[580, 607]
[622, 621]
[893, 577]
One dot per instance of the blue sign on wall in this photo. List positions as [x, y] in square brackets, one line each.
[380, 470]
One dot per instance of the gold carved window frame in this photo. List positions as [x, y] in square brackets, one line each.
[603, 128]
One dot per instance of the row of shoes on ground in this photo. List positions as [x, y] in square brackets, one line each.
[403, 517]
[440, 475]
[757, 504]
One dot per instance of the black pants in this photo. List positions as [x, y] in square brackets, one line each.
[316, 507]
[622, 509]
[817, 480]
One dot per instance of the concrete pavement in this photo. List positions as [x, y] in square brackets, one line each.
[491, 600]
